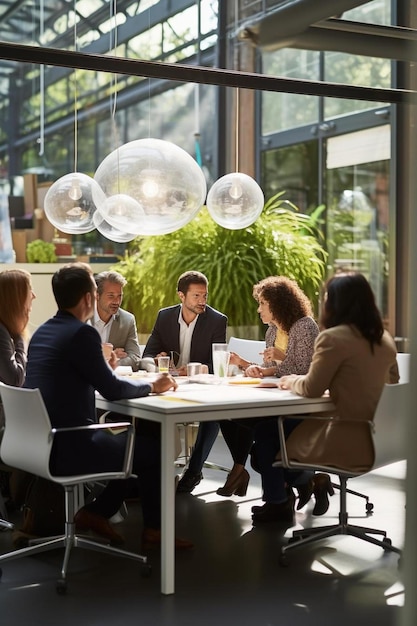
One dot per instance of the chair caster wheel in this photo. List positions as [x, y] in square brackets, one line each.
[387, 542]
[61, 587]
[146, 571]
[283, 560]
[369, 507]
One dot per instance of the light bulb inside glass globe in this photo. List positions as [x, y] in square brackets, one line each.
[69, 215]
[150, 183]
[235, 190]
[75, 192]
[162, 178]
[235, 201]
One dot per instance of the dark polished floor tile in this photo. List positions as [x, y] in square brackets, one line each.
[233, 575]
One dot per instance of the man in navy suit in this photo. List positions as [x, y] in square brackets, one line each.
[186, 332]
[66, 362]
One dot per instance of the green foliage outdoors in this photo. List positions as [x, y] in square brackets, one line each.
[39, 251]
[282, 241]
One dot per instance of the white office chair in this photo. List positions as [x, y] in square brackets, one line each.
[403, 360]
[387, 436]
[27, 444]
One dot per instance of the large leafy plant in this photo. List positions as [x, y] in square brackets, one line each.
[282, 241]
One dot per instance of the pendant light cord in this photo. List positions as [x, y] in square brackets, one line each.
[75, 94]
[237, 92]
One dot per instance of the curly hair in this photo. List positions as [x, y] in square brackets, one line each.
[288, 303]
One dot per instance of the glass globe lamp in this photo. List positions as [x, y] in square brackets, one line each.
[123, 213]
[163, 179]
[235, 201]
[71, 202]
[108, 231]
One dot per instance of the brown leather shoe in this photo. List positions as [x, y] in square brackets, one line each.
[85, 520]
[151, 538]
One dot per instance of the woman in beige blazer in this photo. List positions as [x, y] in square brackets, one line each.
[353, 358]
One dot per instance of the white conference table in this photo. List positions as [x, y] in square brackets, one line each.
[197, 402]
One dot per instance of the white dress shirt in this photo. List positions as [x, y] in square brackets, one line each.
[186, 334]
[103, 328]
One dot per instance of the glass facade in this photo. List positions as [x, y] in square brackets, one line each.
[297, 139]
[334, 151]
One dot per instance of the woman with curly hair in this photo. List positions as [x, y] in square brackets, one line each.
[289, 349]
[353, 358]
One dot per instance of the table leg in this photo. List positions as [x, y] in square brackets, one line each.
[168, 507]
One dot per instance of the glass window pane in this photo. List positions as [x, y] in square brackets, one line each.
[376, 12]
[281, 111]
[293, 169]
[354, 70]
[357, 223]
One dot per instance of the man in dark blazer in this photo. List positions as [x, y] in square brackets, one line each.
[186, 332]
[65, 361]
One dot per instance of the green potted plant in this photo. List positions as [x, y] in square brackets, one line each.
[39, 251]
[282, 241]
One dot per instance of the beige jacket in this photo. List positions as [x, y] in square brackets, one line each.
[344, 364]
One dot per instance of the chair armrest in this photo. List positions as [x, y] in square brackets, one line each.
[130, 438]
[317, 439]
[86, 427]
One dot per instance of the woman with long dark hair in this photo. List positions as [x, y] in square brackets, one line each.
[16, 297]
[353, 358]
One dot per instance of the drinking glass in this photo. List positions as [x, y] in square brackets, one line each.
[221, 358]
[163, 364]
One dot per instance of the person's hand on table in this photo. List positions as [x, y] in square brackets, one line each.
[113, 360]
[286, 382]
[254, 371]
[120, 353]
[164, 382]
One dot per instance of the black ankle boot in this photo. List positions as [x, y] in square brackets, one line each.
[271, 512]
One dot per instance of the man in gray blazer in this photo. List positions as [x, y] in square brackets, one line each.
[115, 325]
[186, 332]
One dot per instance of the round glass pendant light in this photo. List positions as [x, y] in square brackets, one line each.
[108, 231]
[71, 202]
[235, 201]
[163, 180]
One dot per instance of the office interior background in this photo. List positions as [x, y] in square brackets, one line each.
[341, 152]
[334, 128]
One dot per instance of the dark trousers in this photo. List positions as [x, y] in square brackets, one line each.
[102, 452]
[265, 449]
[206, 436]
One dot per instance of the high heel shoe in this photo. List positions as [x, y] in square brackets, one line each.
[235, 485]
[322, 489]
[304, 493]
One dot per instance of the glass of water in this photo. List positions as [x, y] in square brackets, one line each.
[221, 358]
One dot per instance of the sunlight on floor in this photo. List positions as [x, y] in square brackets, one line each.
[395, 595]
